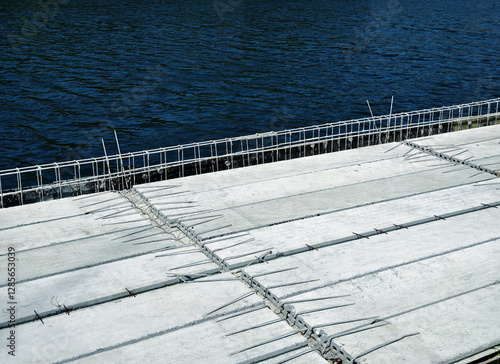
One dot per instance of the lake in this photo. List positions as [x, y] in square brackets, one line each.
[165, 72]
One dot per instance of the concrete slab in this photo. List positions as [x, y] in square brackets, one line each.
[125, 321]
[430, 268]
[52, 222]
[366, 256]
[296, 234]
[198, 344]
[263, 204]
[102, 283]
[439, 340]
[426, 266]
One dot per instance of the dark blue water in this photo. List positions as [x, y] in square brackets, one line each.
[165, 72]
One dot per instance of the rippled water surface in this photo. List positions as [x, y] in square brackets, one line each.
[165, 72]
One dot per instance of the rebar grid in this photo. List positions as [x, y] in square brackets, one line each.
[122, 171]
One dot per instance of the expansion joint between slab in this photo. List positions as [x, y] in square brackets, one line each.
[287, 313]
[142, 204]
[313, 338]
[202, 247]
[158, 219]
[451, 158]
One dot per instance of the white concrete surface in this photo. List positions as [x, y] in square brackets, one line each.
[437, 277]
[272, 194]
[101, 282]
[176, 316]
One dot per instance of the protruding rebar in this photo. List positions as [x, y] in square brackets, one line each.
[273, 272]
[324, 309]
[232, 302]
[292, 284]
[267, 342]
[315, 299]
[384, 344]
[267, 323]
[233, 245]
